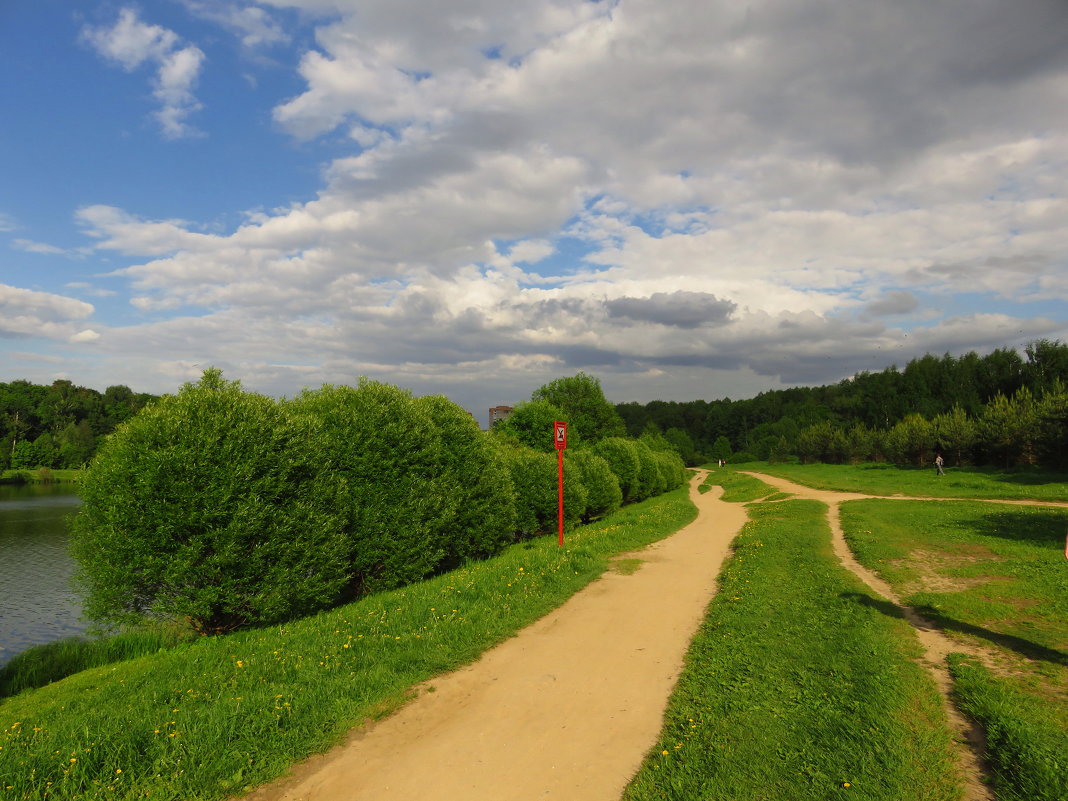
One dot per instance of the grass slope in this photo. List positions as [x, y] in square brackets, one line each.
[209, 718]
[797, 686]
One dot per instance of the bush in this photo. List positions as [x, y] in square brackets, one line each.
[534, 479]
[603, 495]
[531, 424]
[622, 457]
[387, 451]
[672, 469]
[650, 481]
[211, 506]
[472, 485]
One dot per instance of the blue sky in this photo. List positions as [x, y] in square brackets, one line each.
[685, 198]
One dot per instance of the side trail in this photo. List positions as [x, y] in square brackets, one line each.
[566, 709]
[936, 645]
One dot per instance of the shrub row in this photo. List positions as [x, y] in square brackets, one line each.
[222, 508]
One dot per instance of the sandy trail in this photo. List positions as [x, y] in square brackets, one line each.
[565, 710]
[936, 645]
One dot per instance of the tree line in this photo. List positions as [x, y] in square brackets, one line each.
[221, 508]
[1006, 408]
[61, 425]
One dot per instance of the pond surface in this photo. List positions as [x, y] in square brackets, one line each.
[37, 604]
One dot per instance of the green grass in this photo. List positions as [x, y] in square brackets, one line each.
[994, 576]
[43, 664]
[208, 718]
[738, 488]
[39, 475]
[883, 479]
[798, 683]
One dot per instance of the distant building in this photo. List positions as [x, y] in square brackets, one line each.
[499, 413]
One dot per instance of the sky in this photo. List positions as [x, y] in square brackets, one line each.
[684, 198]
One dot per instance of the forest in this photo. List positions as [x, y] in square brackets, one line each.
[1006, 409]
[61, 425]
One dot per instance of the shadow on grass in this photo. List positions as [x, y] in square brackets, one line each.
[1026, 648]
[1038, 526]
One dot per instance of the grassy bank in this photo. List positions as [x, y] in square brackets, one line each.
[994, 576]
[798, 685]
[208, 718]
[884, 479]
[39, 475]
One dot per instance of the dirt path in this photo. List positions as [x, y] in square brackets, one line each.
[565, 710]
[936, 645]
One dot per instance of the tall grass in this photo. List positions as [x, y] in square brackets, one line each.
[211, 717]
[798, 685]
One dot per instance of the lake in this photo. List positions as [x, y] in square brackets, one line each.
[37, 604]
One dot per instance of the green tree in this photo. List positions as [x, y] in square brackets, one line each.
[603, 495]
[589, 416]
[721, 449]
[211, 507]
[955, 433]
[531, 423]
[622, 457]
[1009, 427]
[911, 441]
[470, 483]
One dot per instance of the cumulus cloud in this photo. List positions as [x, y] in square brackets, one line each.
[25, 312]
[687, 191]
[132, 43]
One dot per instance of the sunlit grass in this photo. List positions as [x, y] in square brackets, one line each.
[737, 488]
[884, 479]
[210, 717]
[799, 685]
[993, 576]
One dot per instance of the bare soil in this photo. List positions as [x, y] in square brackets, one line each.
[564, 710]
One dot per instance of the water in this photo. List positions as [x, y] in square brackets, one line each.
[37, 604]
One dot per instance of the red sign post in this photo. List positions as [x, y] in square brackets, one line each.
[560, 442]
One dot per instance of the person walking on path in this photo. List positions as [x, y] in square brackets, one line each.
[939, 461]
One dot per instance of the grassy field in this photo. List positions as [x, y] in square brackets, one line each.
[993, 576]
[883, 479]
[797, 686]
[206, 719]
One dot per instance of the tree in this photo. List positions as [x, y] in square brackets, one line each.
[589, 416]
[1008, 428]
[531, 423]
[212, 507]
[911, 441]
[721, 449]
[955, 433]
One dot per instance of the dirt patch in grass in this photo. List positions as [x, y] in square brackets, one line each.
[933, 570]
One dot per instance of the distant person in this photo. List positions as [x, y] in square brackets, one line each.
[939, 461]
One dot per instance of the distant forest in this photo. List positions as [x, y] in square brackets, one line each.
[59, 426]
[1004, 409]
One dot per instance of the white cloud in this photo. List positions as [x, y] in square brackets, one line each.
[254, 25]
[779, 192]
[133, 43]
[30, 246]
[7, 222]
[28, 313]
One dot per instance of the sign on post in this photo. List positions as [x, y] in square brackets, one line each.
[560, 442]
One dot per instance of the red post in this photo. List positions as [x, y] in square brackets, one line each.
[560, 443]
[560, 494]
